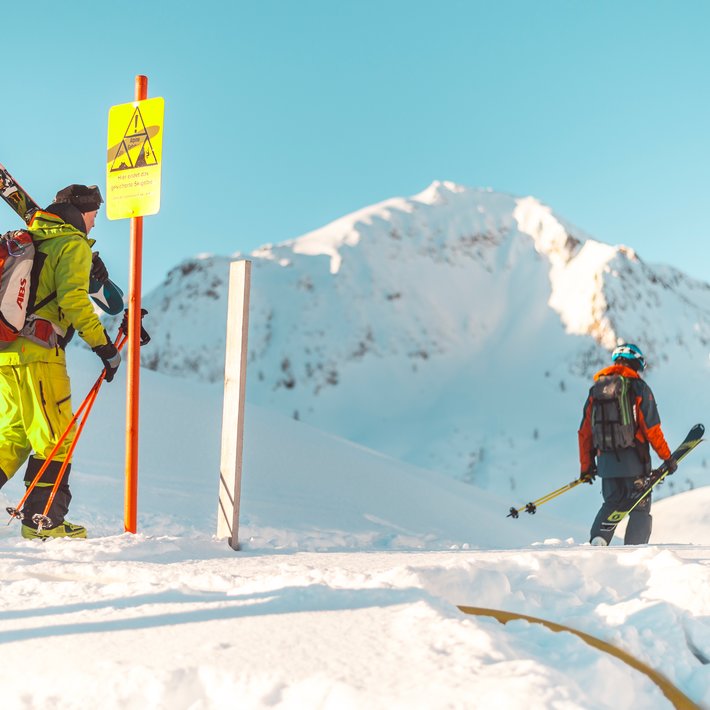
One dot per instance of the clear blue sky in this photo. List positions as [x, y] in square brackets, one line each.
[281, 115]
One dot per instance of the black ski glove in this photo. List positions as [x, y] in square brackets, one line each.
[110, 357]
[590, 474]
[672, 465]
[99, 272]
[144, 337]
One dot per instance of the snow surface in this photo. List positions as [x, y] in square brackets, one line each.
[345, 593]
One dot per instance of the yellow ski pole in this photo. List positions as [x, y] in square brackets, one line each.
[532, 506]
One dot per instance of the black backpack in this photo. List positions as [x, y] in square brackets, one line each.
[613, 421]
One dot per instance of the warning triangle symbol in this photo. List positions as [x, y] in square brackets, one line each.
[122, 161]
[135, 150]
[136, 127]
[146, 156]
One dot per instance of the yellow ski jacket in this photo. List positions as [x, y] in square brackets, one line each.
[65, 256]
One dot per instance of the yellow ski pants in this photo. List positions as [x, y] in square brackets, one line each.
[35, 409]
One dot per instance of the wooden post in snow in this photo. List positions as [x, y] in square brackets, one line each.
[235, 371]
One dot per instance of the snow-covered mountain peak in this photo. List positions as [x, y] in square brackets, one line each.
[440, 217]
[410, 325]
[438, 192]
[344, 232]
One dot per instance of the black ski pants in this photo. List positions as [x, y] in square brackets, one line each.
[39, 497]
[618, 494]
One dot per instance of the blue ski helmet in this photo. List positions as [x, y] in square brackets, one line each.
[629, 351]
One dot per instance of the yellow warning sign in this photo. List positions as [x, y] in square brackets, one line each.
[134, 158]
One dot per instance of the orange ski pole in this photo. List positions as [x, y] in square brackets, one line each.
[16, 512]
[43, 520]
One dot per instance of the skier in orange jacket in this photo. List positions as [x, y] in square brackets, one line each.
[615, 447]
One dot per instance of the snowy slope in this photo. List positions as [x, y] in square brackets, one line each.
[455, 330]
[364, 499]
[345, 594]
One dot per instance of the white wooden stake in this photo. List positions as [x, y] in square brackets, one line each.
[235, 371]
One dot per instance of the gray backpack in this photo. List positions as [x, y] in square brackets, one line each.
[613, 421]
[17, 253]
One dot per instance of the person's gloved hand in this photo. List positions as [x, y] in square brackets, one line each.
[99, 272]
[672, 465]
[110, 357]
[590, 474]
[144, 337]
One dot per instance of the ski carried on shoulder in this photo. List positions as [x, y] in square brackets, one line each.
[16, 196]
[108, 297]
[647, 484]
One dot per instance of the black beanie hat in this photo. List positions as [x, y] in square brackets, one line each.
[86, 198]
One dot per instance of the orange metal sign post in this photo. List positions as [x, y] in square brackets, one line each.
[134, 357]
[133, 172]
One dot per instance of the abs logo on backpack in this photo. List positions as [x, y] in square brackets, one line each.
[613, 420]
[17, 253]
[21, 294]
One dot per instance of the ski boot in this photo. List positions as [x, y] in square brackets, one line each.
[65, 529]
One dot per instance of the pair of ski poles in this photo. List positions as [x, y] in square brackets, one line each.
[42, 520]
[532, 506]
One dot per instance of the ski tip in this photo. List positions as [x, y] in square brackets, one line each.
[108, 297]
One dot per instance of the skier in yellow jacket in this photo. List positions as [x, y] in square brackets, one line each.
[35, 392]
